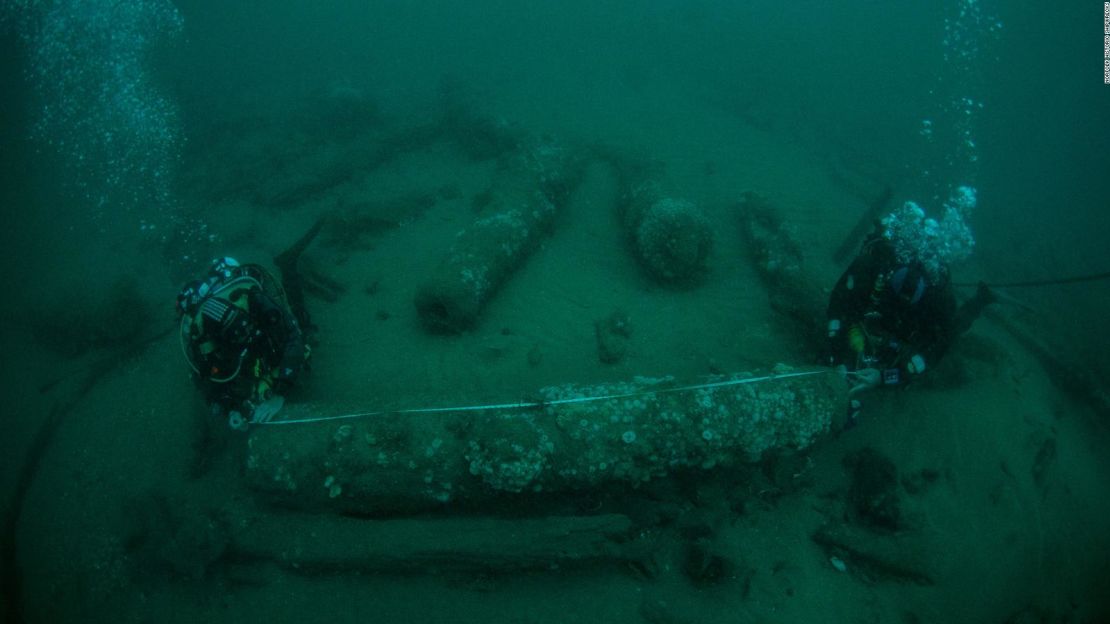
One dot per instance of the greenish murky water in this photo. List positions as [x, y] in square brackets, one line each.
[139, 139]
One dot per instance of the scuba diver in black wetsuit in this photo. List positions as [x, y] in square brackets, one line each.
[893, 313]
[241, 339]
[891, 317]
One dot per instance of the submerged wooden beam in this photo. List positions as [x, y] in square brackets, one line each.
[875, 211]
[907, 557]
[1069, 375]
[314, 544]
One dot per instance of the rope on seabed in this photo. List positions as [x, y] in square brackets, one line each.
[1072, 279]
[535, 404]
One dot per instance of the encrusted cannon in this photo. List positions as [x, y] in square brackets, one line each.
[572, 439]
[522, 206]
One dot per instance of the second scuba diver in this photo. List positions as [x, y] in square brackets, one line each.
[242, 341]
[893, 314]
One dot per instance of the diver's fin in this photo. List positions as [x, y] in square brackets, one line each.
[287, 260]
[291, 281]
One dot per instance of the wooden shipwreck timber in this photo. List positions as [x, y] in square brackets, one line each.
[573, 439]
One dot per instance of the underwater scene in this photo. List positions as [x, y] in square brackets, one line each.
[628, 311]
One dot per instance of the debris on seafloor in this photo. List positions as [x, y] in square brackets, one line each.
[613, 334]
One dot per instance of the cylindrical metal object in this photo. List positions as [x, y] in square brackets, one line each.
[524, 202]
[576, 438]
[778, 259]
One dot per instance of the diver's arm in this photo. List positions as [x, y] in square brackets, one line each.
[293, 356]
[933, 337]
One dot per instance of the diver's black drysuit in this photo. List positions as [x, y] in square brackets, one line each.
[243, 344]
[883, 314]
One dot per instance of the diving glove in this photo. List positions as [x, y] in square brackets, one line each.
[267, 409]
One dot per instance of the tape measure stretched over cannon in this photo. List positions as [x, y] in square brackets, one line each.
[575, 438]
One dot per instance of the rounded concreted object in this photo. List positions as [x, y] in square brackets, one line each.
[670, 237]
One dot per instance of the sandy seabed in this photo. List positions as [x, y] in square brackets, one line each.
[1011, 526]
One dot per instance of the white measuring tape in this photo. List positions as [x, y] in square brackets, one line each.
[535, 404]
